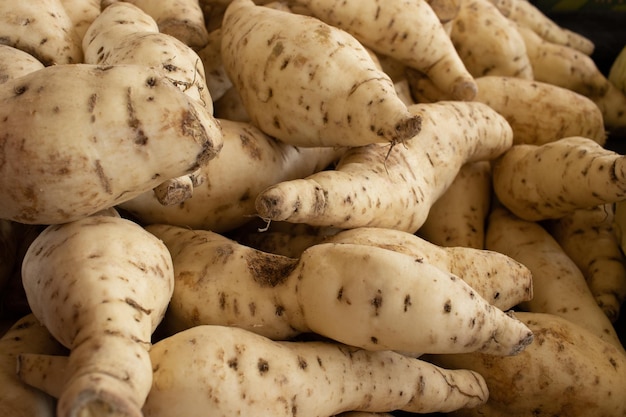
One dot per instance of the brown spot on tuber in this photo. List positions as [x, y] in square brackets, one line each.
[263, 366]
[377, 302]
[270, 270]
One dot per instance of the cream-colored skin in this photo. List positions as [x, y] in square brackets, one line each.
[308, 83]
[589, 238]
[379, 186]
[457, 218]
[131, 129]
[43, 28]
[249, 162]
[499, 279]
[100, 285]
[236, 372]
[14, 63]
[179, 62]
[16, 398]
[567, 371]
[409, 31]
[361, 295]
[539, 182]
[488, 42]
[540, 112]
[569, 68]
[559, 286]
[182, 19]
[527, 14]
[210, 55]
[562, 65]
[82, 13]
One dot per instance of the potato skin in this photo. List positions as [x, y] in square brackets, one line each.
[567, 371]
[308, 83]
[80, 138]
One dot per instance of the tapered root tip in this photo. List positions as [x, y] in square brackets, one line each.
[270, 205]
[95, 395]
[521, 346]
[465, 90]
[408, 128]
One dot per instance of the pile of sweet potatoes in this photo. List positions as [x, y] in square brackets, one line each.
[307, 208]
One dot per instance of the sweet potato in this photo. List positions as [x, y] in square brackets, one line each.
[457, 218]
[589, 238]
[17, 399]
[568, 371]
[249, 162]
[131, 129]
[100, 285]
[540, 112]
[182, 19]
[570, 68]
[308, 83]
[409, 31]
[378, 187]
[362, 295]
[539, 182]
[223, 371]
[559, 286]
[41, 28]
[500, 280]
[527, 14]
[496, 277]
[15, 62]
[82, 13]
[210, 55]
[102, 45]
[488, 42]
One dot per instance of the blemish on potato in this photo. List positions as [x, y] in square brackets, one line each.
[263, 366]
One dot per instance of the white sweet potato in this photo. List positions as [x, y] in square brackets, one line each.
[145, 46]
[378, 187]
[497, 278]
[568, 371]
[131, 130]
[100, 285]
[82, 13]
[308, 83]
[457, 218]
[210, 55]
[540, 112]
[361, 295]
[539, 182]
[559, 287]
[569, 68]
[182, 19]
[526, 14]
[489, 43]
[225, 371]
[41, 28]
[18, 399]
[249, 162]
[589, 238]
[15, 62]
[409, 31]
